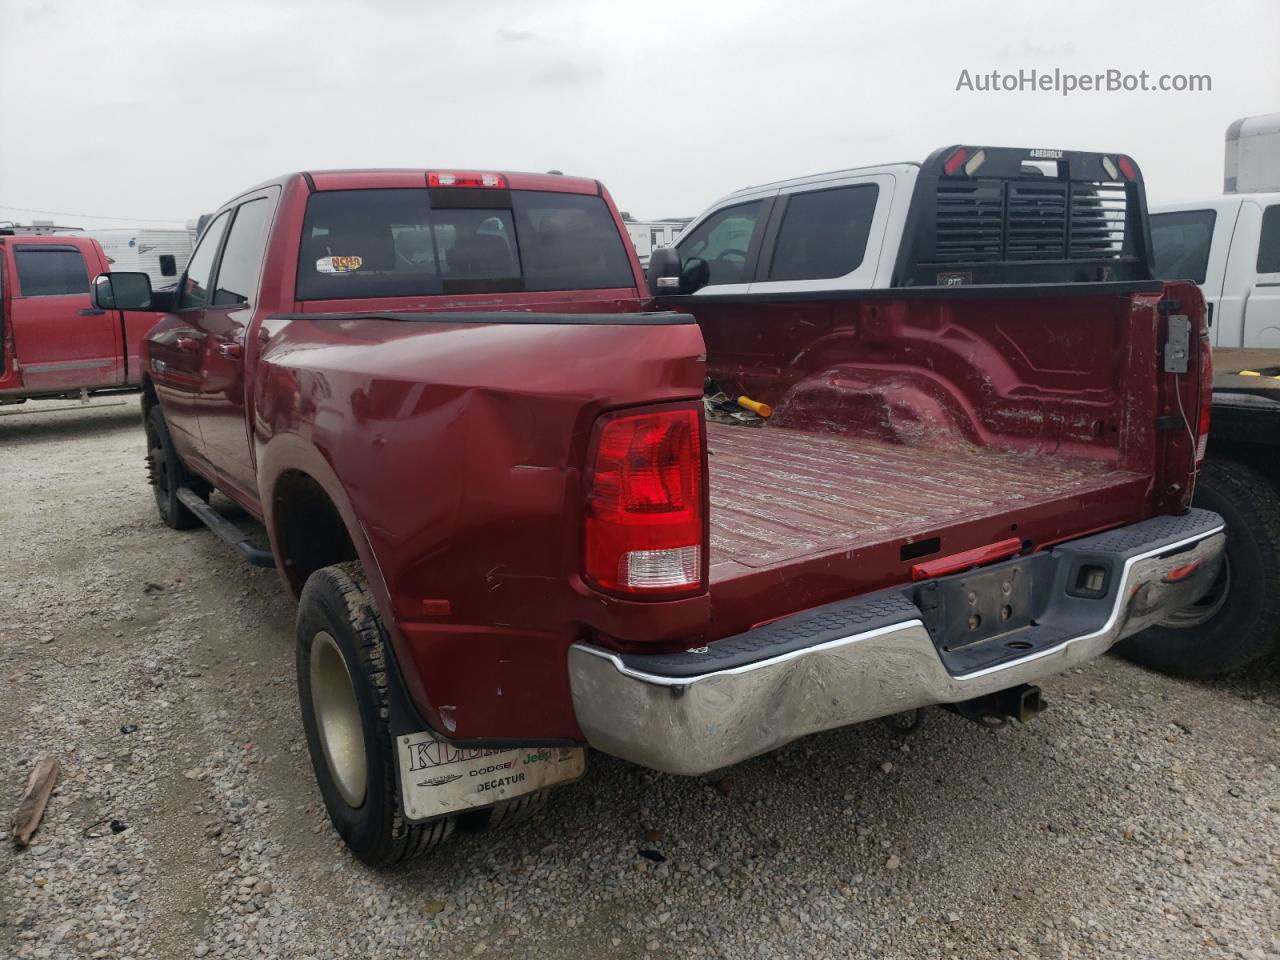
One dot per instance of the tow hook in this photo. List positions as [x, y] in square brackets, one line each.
[1021, 702]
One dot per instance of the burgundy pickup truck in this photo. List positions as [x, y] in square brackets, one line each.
[483, 457]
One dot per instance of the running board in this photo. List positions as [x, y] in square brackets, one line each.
[225, 529]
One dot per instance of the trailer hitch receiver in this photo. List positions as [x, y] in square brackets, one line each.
[1021, 702]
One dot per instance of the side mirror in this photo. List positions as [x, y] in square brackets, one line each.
[664, 271]
[694, 275]
[668, 276]
[122, 291]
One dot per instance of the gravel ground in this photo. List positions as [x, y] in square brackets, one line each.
[1139, 817]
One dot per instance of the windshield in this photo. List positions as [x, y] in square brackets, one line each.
[412, 242]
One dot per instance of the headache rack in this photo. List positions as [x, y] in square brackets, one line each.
[1000, 215]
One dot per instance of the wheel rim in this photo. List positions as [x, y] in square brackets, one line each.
[1208, 606]
[337, 713]
[159, 468]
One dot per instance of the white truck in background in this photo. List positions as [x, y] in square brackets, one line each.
[1230, 246]
[160, 254]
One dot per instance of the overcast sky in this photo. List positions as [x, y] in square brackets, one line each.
[150, 109]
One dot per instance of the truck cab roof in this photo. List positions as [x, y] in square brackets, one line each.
[909, 168]
[1220, 202]
[392, 177]
[54, 239]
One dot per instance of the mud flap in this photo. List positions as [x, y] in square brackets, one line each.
[438, 778]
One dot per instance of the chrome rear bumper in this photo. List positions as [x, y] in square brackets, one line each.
[874, 656]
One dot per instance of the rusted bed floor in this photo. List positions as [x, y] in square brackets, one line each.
[778, 494]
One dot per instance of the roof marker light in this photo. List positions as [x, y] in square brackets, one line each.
[1109, 165]
[975, 162]
[953, 163]
[1128, 168]
[467, 180]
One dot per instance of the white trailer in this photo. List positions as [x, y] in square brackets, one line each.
[1253, 155]
[161, 254]
[648, 235]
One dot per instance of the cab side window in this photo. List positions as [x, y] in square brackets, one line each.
[1180, 244]
[50, 271]
[242, 259]
[723, 240]
[824, 233]
[195, 286]
[1269, 241]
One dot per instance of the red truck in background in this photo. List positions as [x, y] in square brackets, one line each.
[486, 462]
[53, 341]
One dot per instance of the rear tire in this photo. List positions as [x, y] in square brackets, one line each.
[342, 689]
[505, 813]
[1236, 623]
[167, 473]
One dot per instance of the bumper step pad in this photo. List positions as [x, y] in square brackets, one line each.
[1061, 617]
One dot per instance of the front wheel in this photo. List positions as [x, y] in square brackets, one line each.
[1235, 623]
[342, 689]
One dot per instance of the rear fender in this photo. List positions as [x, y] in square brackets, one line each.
[286, 452]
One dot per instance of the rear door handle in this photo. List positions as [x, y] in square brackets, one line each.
[92, 312]
[231, 349]
[188, 344]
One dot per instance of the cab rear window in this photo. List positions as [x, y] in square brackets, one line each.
[360, 244]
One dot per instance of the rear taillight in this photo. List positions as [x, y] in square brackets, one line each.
[645, 508]
[1206, 398]
[454, 179]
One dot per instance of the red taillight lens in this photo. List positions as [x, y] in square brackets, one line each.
[1206, 398]
[466, 180]
[951, 166]
[645, 510]
[1127, 167]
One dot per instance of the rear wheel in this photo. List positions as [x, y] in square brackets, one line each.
[167, 473]
[505, 813]
[1235, 623]
[342, 688]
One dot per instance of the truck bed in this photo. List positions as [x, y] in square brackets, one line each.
[779, 494]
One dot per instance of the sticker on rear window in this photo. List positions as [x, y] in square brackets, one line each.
[338, 264]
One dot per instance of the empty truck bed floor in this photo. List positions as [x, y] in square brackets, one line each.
[778, 494]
